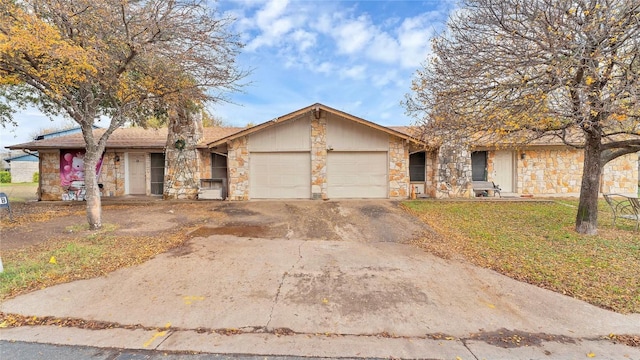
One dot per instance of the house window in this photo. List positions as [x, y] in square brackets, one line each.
[479, 166]
[157, 174]
[218, 166]
[417, 166]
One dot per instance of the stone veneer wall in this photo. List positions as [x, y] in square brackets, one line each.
[205, 163]
[238, 169]
[319, 156]
[398, 168]
[550, 172]
[430, 184]
[559, 172]
[50, 188]
[112, 174]
[620, 176]
[454, 171]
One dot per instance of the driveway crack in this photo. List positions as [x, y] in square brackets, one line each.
[464, 343]
[284, 275]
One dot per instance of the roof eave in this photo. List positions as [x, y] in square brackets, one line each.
[304, 110]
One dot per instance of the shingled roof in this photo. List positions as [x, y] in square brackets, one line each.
[124, 138]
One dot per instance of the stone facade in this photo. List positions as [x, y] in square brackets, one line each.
[398, 168]
[431, 182]
[112, 174]
[22, 171]
[182, 158]
[319, 157]
[620, 176]
[557, 171]
[205, 163]
[238, 169]
[182, 176]
[453, 172]
[50, 188]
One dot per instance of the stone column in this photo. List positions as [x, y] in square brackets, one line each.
[398, 168]
[319, 156]
[238, 168]
[454, 170]
[182, 158]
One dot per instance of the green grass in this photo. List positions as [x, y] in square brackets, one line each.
[89, 254]
[535, 242]
[19, 192]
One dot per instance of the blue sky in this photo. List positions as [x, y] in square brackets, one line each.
[355, 56]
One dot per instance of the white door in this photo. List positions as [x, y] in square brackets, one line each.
[137, 174]
[503, 168]
[280, 175]
[357, 175]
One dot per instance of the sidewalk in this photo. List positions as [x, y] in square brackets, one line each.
[312, 345]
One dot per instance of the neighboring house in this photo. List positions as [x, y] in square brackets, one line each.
[315, 153]
[22, 167]
[5, 165]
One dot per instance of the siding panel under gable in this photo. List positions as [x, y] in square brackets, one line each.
[293, 135]
[347, 135]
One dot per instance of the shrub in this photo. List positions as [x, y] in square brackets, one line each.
[5, 177]
[36, 177]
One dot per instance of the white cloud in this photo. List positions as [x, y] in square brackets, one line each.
[272, 11]
[414, 36]
[355, 72]
[304, 39]
[273, 23]
[384, 48]
[382, 79]
[352, 36]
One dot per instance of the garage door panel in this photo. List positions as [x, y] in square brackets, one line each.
[357, 175]
[285, 175]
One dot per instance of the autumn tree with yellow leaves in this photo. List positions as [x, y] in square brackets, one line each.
[120, 61]
[517, 70]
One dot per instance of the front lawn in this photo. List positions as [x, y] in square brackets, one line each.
[20, 192]
[535, 242]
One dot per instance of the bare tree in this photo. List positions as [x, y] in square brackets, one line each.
[522, 69]
[118, 60]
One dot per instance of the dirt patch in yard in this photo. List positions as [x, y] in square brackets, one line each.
[38, 222]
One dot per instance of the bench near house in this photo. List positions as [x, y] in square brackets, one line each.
[318, 152]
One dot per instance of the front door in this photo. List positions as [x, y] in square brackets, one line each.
[503, 165]
[137, 174]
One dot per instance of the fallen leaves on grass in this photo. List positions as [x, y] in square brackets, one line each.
[90, 254]
[536, 243]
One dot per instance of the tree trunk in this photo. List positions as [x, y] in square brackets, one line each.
[587, 218]
[94, 202]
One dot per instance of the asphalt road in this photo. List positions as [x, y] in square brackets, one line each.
[18, 350]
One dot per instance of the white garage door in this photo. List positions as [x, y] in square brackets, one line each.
[357, 175]
[284, 175]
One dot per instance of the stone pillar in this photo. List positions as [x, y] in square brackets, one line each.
[238, 168]
[182, 158]
[398, 168]
[431, 179]
[319, 156]
[50, 188]
[454, 170]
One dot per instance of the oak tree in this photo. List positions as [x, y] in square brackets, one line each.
[517, 70]
[118, 62]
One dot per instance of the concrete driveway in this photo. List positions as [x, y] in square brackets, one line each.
[312, 278]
